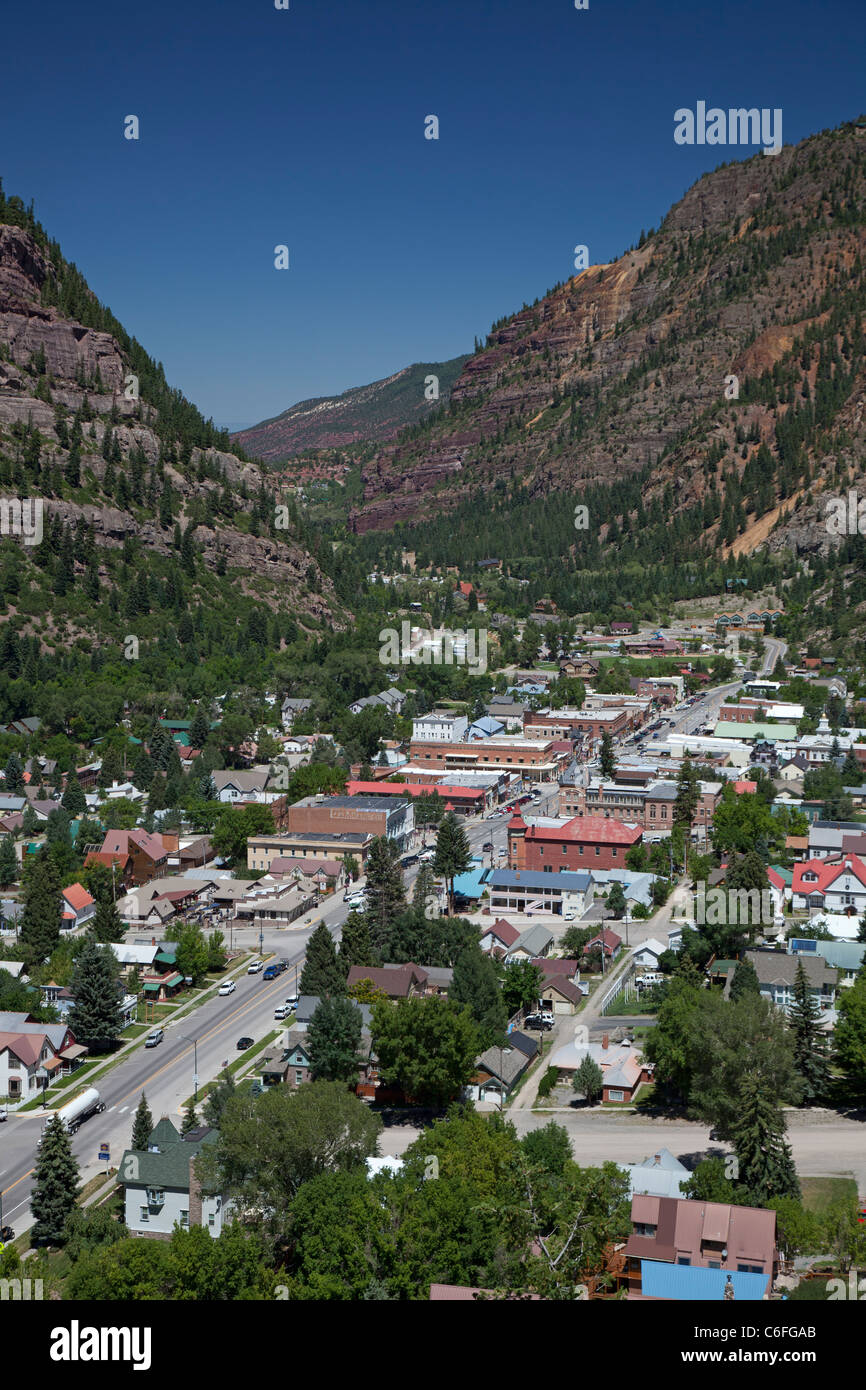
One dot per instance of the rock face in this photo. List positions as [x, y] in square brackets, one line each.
[365, 413]
[72, 354]
[626, 365]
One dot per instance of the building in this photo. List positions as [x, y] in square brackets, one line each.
[160, 1186]
[147, 852]
[499, 1069]
[681, 1249]
[591, 723]
[660, 1175]
[78, 907]
[534, 941]
[622, 1068]
[582, 843]
[429, 728]
[522, 890]
[373, 815]
[498, 939]
[777, 973]
[537, 760]
[32, 1055]
[831, 885]
[463, 800]
[242, 786]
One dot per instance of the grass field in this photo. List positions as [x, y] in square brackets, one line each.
[819, 1193]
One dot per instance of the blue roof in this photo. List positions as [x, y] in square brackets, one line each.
[659, 1280]
[514, 878]
[472, 883]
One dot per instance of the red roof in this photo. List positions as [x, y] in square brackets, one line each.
[610, 939]
[826, 872]
[745, 786]
[517, 822]
[588, 829]
[77, 897]
[506, 933]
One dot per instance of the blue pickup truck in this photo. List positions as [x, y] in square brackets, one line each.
[271, 972]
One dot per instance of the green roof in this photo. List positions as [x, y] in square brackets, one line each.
[729, 728]
[170, 1168]
[166, 957]
[787, 875]
[152, 986]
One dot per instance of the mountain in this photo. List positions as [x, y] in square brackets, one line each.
[152, 528]
[372, 413]
[613, 385]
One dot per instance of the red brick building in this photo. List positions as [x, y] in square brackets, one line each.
[586, 842]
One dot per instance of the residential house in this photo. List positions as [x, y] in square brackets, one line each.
[242, 786]
[32, 1055]
[648, 953]
[777, 972]
[831, 885]
[660, 1175]
[534, 941]
[498, 939]
[520, 890]
[607, 942]
[78, 907]
[160, 1187]
[499, 1069]
[622, 1067]
[291, 709]
[398, 981]
[695, 1250]
[845, 957]
[148, 852]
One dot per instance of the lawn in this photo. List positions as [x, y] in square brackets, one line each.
[240, 1062]
[820, 1193]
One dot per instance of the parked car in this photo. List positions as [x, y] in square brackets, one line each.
[271, 972]
[154, 1037]
[488, 846]
[538, 1022]
[244, 1043]
[282, 1011]
[255, 966]
[292, 1001]
[227, 987]
[6, 1234]
[427, 856]
[408, 860]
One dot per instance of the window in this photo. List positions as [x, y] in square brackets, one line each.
[713, 1264]
[643, 1228]
[184, 1218]
[597, 851]
[616, 1095]
[299, 1077]
[683, 1260]
[155, 1197]
[144, 1214]
[211, 1221]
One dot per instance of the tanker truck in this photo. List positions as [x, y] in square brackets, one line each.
[77, 1110]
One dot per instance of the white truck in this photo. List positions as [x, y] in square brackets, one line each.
[77, 1110]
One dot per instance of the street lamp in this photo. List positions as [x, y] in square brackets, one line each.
[194, 1042]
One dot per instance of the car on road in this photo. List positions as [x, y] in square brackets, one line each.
[244, 1043]
[227, 987]
[255, 966]
[427, 856]
[570, 915]
[271, 972]
[408, 860]
[292, 1000]
[538, 1022]
[488, 846]
[282, 1011]
[154, 1037]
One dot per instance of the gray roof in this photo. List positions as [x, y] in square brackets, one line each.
[534, 940]
[506, 1063]
[528, 878]
[841, 955]
[780, 968]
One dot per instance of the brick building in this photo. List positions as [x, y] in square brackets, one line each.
[584, 842]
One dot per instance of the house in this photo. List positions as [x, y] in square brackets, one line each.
[498, 939]
[291, 709]
[148, 853]
[606, 941]
[32, 1055]
[622, 1067]
[392, 700]
[777, 972]
[499, 1069]
[78, 907]
[648, 953]
[534, 941]
[487, 727]
[846, 957]
[428, 728]
[160, 1187]
[517, 890]
[584, 667]
[233, 786]
[313, 875]
[121, 866]
[660, 1175]
[398, 981]
[560, 995]
[682, 1249]
[832, 885]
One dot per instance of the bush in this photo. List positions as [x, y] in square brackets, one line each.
[548, 1081]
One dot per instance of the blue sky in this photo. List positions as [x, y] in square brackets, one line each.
[305, 127]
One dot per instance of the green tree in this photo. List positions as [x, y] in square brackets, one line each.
[476, 984]
[385, 894]
[745, 979]
[322, 974]
[453, 855]
[607, 756]
[217, 1099]
[688, 795]
[199, 729]
[616, 903]
[588, 1080]
[356, 947]
[55, 1185]
[8, 861]
[667, 1045]
[334, 1040]
[190, 1118]
[41, 917]
[548, 1148]
[73, 799]
[758, 1135]
[106, 925]
[710, 1182]
[428, 1046]
[95, 1017]
[142, 1125]
[811, 1053]
[91, 1228]
[217, 955]
[521, 985]
[728, 1042]
[849, 1036]
[191, 952]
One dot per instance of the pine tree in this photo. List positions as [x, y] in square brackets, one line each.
[745, 979]
[453, 855]
[41, 918]
[356, 948]
[385, 894]
[95, 1017]
[142, 1125]
[8, 861]
[218, 1099]
[190, 1119]
[199, 729]
[107, 925]
[588, 1080]
[811, 1054]
[424, 890]
[766, 1167]
[73, 799]
[334, 1040]
[55, 1185]
[607, 757]
[476, 984]
[322, 974]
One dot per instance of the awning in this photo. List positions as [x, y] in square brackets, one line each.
[174, 979]
[71, 1053]
[152, 988]
[52, 1064]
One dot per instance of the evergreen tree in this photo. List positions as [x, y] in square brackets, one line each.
[745, 980]
[453, 855]
[849, 1036]
[218, 1099]
[385, 894]
[41, 917]
[73, 800]
[95, 1017]
[8, 861]
[14, 775]
[322, 974]
[424, 890]
[356, 948]
[588, 1080]
[476, 984]
[607, 757]
[616, 903]
[688, 795]
[811, 1054]
[763, 1152]
[107, 925]
[142, 1125]
[199, 729]
[190, 1119]
[55, 1187]
[334, 1040]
